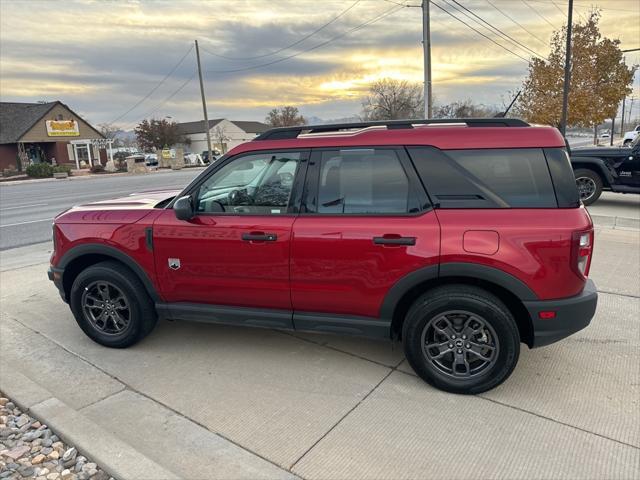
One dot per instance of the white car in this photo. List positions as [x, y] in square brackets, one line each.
[605, 135]
[630, 136]
[193, 159]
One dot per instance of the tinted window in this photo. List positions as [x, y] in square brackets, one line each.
[564, 180]
[363, 181]
[486, 178]
[253, 184]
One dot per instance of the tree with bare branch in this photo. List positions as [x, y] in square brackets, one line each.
[286, 116]
[390, 99]
[220, 138]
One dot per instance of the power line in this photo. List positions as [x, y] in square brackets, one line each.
[559, 9]
[163, 102]
[583, 5]
[496, 29]
[315, 47]
[506, 15]
[538, 13]
[478, 32]
[154, 88]
[322, 27]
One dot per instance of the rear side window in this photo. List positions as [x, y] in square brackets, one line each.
[486, 178]
[564, 180]
[363, 181]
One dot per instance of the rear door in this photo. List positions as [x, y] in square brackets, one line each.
[365, 223]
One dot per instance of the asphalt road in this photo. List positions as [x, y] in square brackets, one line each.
[27, 208]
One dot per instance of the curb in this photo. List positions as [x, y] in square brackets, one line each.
[114, 456]
[618, 223]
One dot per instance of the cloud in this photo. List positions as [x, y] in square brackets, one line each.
[102, 57]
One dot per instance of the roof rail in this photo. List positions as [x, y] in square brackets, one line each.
[284, 133]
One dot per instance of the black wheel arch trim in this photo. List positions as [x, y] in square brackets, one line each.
[454, 269]
[594, 163]
[112, 252]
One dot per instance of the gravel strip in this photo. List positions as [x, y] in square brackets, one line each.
[29, 449]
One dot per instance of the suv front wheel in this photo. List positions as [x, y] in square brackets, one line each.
[111, 305]
[461, 339]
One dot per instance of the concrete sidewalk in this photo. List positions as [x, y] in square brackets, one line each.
[201, 401]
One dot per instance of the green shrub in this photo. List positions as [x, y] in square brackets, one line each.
[62, 169]
[40, 170]
[97, 168]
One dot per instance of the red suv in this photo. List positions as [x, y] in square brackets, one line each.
[461, 238]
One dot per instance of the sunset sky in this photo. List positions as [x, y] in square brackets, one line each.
[102, 58]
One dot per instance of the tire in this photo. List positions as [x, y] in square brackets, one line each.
[135, 314]
[589, 185]
[627, 142]
[461, 305]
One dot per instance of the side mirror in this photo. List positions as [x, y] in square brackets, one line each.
[183, 208]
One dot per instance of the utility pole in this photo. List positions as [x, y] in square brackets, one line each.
[204, 105]
[613, 129]
[567, 71]
[426, 49]
[624, 100]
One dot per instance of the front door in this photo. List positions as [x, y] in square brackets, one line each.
[367, 224]
[632, 165]
[235, 251]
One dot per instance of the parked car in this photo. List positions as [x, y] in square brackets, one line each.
[631, 136]
[205, 155]
[460, 241]
[193, 159]
[151, 159]
[605, 135]
[606, 168]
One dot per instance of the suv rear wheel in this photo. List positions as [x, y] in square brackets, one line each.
[589, 185]
[461, 339]
[111, 305]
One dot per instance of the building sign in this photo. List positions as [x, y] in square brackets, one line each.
[62, 128]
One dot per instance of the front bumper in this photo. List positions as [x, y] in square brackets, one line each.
[55, 275]
[572, 314]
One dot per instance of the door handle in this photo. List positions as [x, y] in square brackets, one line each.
[259, 237]
[394, 240]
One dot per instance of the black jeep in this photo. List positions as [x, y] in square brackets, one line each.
[606, 168]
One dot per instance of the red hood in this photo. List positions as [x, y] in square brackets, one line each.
[127, 209]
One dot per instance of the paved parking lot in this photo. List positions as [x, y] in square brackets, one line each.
[205, 401]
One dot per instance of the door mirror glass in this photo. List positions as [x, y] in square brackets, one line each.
[183, 208]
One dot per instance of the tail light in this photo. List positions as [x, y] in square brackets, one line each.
[582, 252]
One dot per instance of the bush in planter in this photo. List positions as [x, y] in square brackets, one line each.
[40, 170]
[97, 169]
[62, 169]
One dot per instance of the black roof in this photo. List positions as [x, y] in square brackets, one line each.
[187, 128]
[16, 119]
[251, 127]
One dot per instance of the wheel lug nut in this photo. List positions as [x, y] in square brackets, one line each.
[468, 346]
[451, 345]
[464, 337]
[453, 337]
[459, 350]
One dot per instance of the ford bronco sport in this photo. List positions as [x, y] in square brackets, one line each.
[460, 238]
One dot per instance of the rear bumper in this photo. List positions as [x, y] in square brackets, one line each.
[572, 314]
[55, 275]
